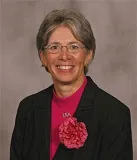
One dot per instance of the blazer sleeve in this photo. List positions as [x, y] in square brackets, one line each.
[18, 132]
[117, 138]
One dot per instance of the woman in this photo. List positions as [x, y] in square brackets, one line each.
[73, 119]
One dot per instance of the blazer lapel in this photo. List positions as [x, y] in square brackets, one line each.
[85, 104]
[42, 123]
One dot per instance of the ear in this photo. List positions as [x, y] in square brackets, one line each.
[89, 57]
[43, 58]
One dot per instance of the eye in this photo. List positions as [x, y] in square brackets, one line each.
[74, 46]
[54, 47]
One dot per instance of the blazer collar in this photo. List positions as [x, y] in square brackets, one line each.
[42, 104]
[42, 120]
[88, 95]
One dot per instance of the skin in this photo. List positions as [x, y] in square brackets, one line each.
[66, 81]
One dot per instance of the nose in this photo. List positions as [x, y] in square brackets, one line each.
[64, 54]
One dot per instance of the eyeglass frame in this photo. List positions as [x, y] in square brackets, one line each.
[80, 45]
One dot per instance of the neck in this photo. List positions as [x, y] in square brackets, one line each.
[67, 89]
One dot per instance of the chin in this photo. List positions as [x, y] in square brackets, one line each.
[66, 79]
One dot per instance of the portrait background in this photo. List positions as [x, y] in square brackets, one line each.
[114, 69]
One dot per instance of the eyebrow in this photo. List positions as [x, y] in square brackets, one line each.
[67, 44]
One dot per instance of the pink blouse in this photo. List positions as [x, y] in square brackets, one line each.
[61, 108]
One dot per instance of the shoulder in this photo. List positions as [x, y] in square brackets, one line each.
[107, 105]
[109, 101]
[28, 103]
[111, 108]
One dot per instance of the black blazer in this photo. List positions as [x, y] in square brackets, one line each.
[106, 118]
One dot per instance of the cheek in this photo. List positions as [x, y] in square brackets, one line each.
[81, 60]
[51, 60]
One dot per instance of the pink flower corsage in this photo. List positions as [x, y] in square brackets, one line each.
[72, 133]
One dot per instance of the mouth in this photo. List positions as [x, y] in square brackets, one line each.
[65, 67]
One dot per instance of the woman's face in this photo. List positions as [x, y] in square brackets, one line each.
[65, 67]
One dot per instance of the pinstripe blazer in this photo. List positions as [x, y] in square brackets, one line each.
[107, 120]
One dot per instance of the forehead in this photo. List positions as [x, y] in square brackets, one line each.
[62, 35]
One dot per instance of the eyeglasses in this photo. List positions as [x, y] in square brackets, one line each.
[57, 48]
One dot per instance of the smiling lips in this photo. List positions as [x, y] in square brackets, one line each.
[66, 67]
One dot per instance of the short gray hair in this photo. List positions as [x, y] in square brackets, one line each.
[75, 21]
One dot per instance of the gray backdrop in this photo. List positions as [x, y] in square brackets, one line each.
[114, 68]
